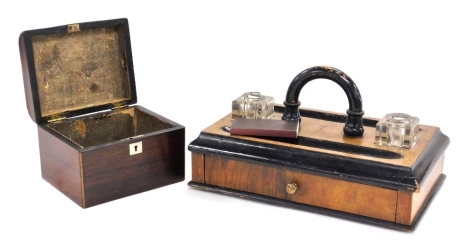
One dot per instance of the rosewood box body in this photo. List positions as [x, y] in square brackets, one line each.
[95, 146]
[322, 170]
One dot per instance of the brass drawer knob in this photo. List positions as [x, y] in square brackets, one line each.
[291, 188]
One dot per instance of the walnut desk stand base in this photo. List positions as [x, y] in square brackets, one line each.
[331, 174]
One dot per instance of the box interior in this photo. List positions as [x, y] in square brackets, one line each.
[81, 69]
[108, 127]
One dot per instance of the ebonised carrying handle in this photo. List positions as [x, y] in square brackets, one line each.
[353, 126]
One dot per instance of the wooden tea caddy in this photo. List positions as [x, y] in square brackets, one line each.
[333, 167]
[95, 146]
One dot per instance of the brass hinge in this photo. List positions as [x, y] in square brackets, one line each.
[119, 105]
[56, 118]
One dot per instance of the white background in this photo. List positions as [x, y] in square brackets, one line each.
[192, 58]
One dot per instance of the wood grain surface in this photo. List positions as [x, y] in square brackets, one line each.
[110, 173]
[26, 78]
[103, 171]
[60, 166]
[333, 131]
[314, 190]
[410, 203]
[198, 167]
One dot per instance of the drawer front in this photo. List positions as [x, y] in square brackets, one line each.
[313, 190]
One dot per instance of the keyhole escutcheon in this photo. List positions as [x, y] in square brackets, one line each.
[135, 148]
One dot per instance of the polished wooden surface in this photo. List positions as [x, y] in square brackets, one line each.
[426, 187]
[110, 173]
[404, 206]
[198, 167]
[61, 166]
[314, 190]
[323, 168]
[106, 171]
[332, 131]
[410, 203]
[26, 78]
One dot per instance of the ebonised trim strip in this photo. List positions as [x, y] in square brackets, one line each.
[327, 117]
[324, 164]
[430, 156]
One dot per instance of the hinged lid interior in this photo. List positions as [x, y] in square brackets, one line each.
[77, 69]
